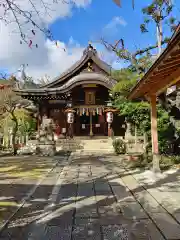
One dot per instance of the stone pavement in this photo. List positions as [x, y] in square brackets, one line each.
[95, 198]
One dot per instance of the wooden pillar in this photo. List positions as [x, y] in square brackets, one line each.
[154, 132]
[109, 130]
[90, 119]
[154, 135]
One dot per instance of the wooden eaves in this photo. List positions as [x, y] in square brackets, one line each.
[164, 73]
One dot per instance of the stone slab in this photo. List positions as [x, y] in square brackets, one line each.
[169, 227]
[58, 233]
[132, 210]
[145, 229]
[116, 232]
[131, 183]
[148, 202]
[86, 232]
[122, 193]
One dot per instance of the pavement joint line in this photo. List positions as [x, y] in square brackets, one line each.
[140, 202]
[142, 185]
[75, 210]
[52, 199]
[119, 174]
[57, 187]
[24, 200]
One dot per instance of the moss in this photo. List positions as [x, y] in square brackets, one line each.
[8, 204]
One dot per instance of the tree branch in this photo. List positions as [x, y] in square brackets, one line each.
[14, 13]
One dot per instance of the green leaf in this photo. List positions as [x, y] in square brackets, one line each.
[143, 28]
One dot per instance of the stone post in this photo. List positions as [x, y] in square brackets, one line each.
[136, 137]
[27, 138]
[3, 143]
[128, 130]
[22, 139]
[11, 138]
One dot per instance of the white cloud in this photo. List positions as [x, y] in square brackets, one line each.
[47, 58]
[108, 56]
[113, 27]
[59, 58]
[116, 22]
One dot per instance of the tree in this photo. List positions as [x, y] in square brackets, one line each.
[29, 13]
[9, 102]
[126, 79]
[138, 112]
[44, 80]
[160, 13]
[139, 60]
[118, 2]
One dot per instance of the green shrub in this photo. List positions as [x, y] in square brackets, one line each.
[166, 162]
[119, 146]
[142, 162]
[176, 159]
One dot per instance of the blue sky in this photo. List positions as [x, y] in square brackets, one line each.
[73, 27]
[88, 24]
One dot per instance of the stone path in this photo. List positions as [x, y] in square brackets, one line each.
[94, 198]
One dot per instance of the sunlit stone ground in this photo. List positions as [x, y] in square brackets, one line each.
[87, 197]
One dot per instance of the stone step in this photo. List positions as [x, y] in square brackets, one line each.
[90, 145]
[76, 144]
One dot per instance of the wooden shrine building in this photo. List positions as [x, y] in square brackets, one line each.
[84, 87]
[163, 74]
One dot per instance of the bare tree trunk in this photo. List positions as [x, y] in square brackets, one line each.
[15, 129]
[159, 37]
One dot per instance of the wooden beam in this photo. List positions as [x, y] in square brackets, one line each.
[158, 78]
[167, 86]
[165, 70]
[156, 84]
[146, 86]
[175, 53]
[168, 81]
[172, 59]
[168, 65]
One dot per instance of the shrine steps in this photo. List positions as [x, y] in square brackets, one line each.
[90, 138]
[98, 144]
[85, 145]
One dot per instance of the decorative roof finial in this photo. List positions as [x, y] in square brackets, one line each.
[90, 50]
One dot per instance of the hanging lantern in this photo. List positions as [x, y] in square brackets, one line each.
[70, 117]
[109, 117]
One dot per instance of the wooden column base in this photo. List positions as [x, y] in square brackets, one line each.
[109, 130]
[156, 159]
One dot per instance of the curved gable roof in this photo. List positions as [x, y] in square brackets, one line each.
[89, 53]
[83, 78]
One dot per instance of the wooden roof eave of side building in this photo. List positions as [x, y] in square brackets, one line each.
[164, 73]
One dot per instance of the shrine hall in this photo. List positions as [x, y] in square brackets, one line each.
[84, 90]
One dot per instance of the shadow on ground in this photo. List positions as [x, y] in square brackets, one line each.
[93, 203]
